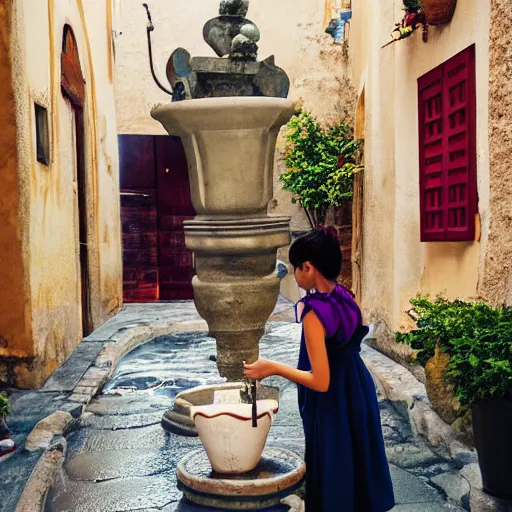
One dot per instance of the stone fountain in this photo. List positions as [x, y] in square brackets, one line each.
[228, 111]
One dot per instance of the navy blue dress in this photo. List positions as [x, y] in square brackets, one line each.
[346, 464]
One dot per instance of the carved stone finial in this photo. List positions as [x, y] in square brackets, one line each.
[230, 35]
[242, 48]
[234, 8]
[251, 31]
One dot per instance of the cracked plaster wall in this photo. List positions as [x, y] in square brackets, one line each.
[45, 294]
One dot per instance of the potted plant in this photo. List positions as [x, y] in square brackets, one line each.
[419, 14]
[478, 341]
[7, 445]
[321, 161]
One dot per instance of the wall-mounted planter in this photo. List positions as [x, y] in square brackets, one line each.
[438, 12]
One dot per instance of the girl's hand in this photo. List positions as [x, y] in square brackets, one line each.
[259, 370]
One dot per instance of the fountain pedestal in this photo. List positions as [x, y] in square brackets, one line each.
[230, 146]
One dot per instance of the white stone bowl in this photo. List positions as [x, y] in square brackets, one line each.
[232, 444]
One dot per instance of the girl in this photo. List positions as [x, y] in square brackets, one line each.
[346, 463]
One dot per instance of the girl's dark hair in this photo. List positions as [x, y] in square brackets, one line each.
[321, 247]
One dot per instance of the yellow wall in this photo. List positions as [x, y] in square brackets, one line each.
[396, 265]
[15, 323]
[48, 204]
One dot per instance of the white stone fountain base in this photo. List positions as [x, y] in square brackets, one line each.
[279, 473]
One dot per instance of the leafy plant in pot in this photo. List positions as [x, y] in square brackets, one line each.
[478, 339]
[7, 445]
[321, 161]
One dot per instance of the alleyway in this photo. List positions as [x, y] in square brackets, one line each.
[120, 459]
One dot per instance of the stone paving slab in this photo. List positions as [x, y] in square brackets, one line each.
[88, 440]
[15, 473]
[125, 405]
[120, 422]
[137, 315]
[119, 495]
[421, 507]
[410, 489]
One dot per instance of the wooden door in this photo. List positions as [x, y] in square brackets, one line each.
[139, 218]
[155, 200]
[174, 205]
[73, 89]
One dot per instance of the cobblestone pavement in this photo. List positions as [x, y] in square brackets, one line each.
[119, 458]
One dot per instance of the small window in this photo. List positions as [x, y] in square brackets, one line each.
[447, 129]
[42, 138]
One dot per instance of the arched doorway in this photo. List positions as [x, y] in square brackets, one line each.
[73, 89]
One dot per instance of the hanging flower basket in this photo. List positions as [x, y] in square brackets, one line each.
[438, 12]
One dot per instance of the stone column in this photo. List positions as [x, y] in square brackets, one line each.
[230, 144]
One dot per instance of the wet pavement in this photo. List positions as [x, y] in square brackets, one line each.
[119, 459]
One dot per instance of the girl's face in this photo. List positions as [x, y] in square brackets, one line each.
[305, 276]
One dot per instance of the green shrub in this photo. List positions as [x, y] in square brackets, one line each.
[4, 407]
[321, 161]
[478, 339]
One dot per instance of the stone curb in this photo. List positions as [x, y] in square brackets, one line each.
[42, 478]
[47, 434]
[398, 385]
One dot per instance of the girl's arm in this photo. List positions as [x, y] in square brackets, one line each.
[319, 377]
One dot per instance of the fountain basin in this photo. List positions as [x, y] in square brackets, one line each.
[230, 145]
[231, 442]
[178, 419]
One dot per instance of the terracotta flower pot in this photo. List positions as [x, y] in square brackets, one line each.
[232, 444]
[438, 12]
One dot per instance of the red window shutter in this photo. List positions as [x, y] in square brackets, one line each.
[460, 143]
[447, 117]
[431, 156]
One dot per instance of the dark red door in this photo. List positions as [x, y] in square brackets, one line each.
[139, 218]
[176, 266]
[155, 199]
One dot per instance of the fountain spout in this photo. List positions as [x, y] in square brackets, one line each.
[149, 28]
[254, 405]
